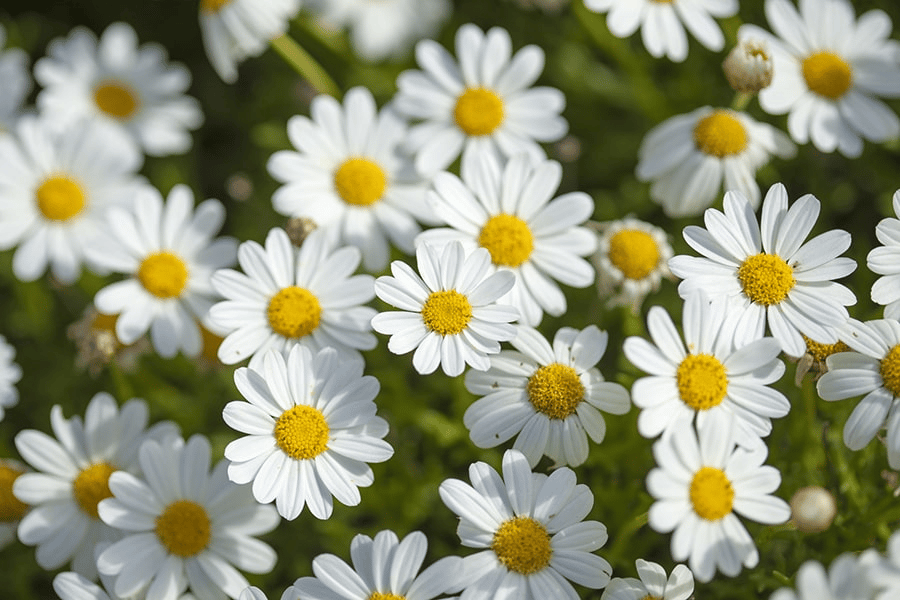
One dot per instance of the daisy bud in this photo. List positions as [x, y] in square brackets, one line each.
[298, 228]
[748, 67]
[812, 509]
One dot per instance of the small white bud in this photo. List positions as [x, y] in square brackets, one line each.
[748, 67]
[813, 509]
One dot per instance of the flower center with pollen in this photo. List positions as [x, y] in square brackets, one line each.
[447, 312]
[60, 198]
[360, 182]
[522, 545]
[820, 351]
[508, 240]
[890, 371]
[163, 274]
[385, 596]
[720, 134]
[115, 99]
[711, 493]
[294, 312]
[302, 432]
[213, 6]
[478, 111]
[91, 486]
[634, 253]
[555, 390]
[183, 528]
[827, 74]
[766, 278]
[11, 508]
[701, 381]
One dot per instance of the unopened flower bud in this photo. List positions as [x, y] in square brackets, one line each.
[298, 228]
[812, 509]
[748, 67]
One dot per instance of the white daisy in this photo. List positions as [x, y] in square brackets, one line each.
[11, 508]
[550, 396]
[482, 102]
[134, 88]
[531, 526]
[383, 569]
[690, 158]
[349, 178]
[848, 578]
[509, 211]
[772, 276]
[829, 70]
[288, 296]
[883, 572]
[699, 486]
[663, 22]
[186, 527]
[16, 78]
[652, 584]
[169, 253]
[718, 378]
[449, 314]
[55, 189]
[234, 30]
[72, 586]
[884, 261]
[72, 474]
[10, 373]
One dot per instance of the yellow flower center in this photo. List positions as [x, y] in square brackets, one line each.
[508, 239]
[213, 6]
[183, 528]
[555, 390]
[163, 274]
[648, 596]
[720, 134]
[634, 253]
[820, 352]
[91, 486]
[60, 198]
[890, 371]
[478, 111]
[11, 508]
[827, 74]
[294, 312]
[522, 545]
[766, 278]
[360, 182]
[386, 596]
[302, 432]
[447, 312]
[711, 494]
[701, 381]
[115, 99]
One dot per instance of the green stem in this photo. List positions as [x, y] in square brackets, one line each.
[628, 532]
[294, 54]
[741, 100]
[849, 483]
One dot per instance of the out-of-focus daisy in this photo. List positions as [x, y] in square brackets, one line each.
[72, 586]
[719, 378]
[885, 261]
[663, 22]
[186, 527]
[509, 211]
[652, 584]
[700, 486]
[234, 30]
[813, 509]
[349, 178]
[383, 569]
[11, 508]
[56, 188]
[128, 86]
[449, 312]
[631, 260]
[72, 476]
[550, 396]
[884, 572]
[690, 158]
[97, 345]
[848, 578]
[167, 249]
[829, 70]
[10, 373]
[287, 296]
[311, 428]
[16, 78]
[770, 273]
[483, 102]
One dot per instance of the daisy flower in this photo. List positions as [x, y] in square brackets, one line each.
[848, 578]
[483, 102]
[717, 379]
[815, 357]
[884, 572]
[56, 187]
[769, 272]
[829, 71]
[72, 586]
[531, 528]
[311, 428]
[690, 158]
[699, 487]
[884, 261]
[551, 396]
[185, 527]
[16, 78]
[663, 23]
[509, 211]
[72, 476]
[97, 345]
[11, 508]
[288, 296]
[10, 373]
[383, 569]
[168, 251]
[233, 30]
[652, 584]
[449, 314]
[348, 177]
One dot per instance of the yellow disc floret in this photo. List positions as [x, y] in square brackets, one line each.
[827, 74]
[360, 182]
[294, 312]
[555, 390]
[91, 486]
[60, 198]
[385, 596]
[11, 508]
[522, 545]
[183, 528]
[720, 134]
[766, 278]
[634, 253]
[115, 99]
[163, 274]
[890, 370]
[508, 239]
[820, 352]
[213, 6]
[702, 382]
[302, 432]
[711, 493]
[447, 312]
[478, 111]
